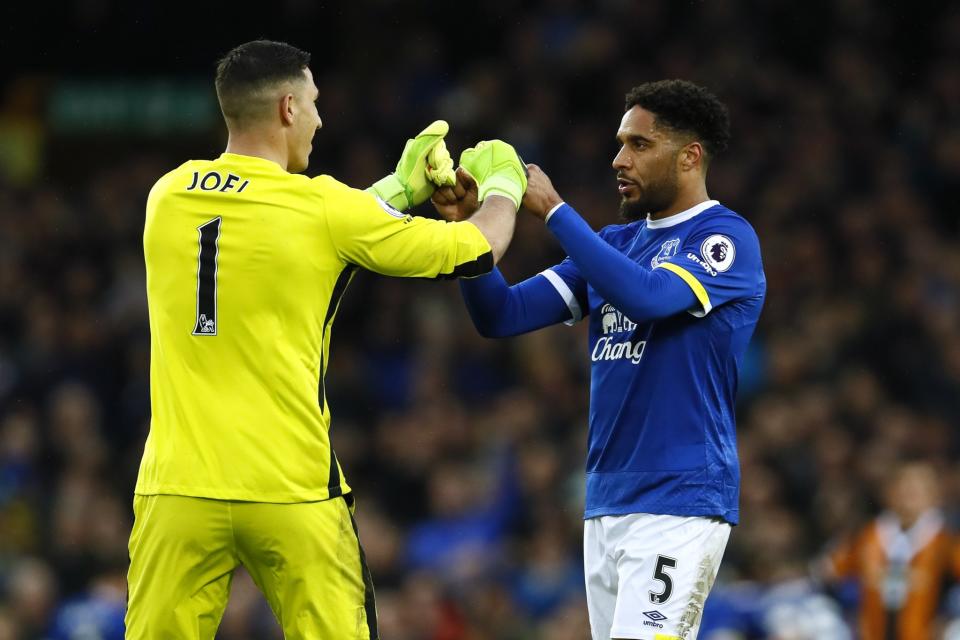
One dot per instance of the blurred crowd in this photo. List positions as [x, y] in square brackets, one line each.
[466, 454]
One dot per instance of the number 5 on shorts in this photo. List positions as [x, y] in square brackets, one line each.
[663, 562]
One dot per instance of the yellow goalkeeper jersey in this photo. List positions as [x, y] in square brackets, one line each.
[246, 265]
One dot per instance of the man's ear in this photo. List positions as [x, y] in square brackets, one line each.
[287, 109]
[691, 156]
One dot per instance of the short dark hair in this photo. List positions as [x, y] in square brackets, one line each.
[685, 107]
[245, 71]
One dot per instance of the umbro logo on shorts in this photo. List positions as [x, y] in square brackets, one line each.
[656, 617]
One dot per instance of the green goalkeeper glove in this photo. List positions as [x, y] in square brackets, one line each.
[497, 168]
[424, 165]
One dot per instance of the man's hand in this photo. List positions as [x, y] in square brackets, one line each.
[497, 168]
[460, 201]
[424, 165]
[540, 196]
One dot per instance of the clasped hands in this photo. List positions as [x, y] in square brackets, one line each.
[491, 168]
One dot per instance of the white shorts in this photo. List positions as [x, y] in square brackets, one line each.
[648, 575]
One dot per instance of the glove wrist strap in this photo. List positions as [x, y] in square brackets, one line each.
[391, 190]
[501, 186]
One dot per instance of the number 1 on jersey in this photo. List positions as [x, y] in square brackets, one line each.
[206, 321]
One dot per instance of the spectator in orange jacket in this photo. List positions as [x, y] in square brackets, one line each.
[902, 559]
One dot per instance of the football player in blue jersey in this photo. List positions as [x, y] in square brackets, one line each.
[673, 297]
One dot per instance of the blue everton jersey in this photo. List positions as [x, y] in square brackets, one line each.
[662, 432]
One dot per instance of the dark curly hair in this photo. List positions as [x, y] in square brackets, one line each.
[246, 70]
[685, 107]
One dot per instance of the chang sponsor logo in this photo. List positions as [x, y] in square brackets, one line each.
[607, 348]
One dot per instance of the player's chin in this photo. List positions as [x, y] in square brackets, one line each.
[632, 209]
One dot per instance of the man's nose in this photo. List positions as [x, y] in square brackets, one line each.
[621, 160]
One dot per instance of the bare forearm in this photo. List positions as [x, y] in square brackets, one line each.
[496, 219]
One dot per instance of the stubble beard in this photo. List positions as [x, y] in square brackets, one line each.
[655, 197]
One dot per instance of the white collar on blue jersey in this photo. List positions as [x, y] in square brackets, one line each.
[683, 216]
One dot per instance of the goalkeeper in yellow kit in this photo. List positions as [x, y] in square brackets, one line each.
[246, 264]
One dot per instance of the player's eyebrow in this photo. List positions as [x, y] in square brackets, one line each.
[632, 137]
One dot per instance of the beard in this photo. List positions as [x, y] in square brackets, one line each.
[655, 197]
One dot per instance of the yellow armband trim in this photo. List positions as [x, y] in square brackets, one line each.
[693, 283]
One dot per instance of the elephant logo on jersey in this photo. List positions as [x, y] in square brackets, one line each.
[609, 319]
[718, 251]
[612, 321]
[667, 250]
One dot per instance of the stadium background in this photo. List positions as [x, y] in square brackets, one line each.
[466, 454]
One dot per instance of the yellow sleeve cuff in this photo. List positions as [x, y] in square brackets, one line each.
[693, 283]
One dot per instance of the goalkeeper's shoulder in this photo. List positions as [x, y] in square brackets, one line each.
[331, 189]
[177, 179]
[324, 183]
[344, 204]
[327, 184]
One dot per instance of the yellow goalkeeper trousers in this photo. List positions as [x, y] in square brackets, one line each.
[305, 558]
